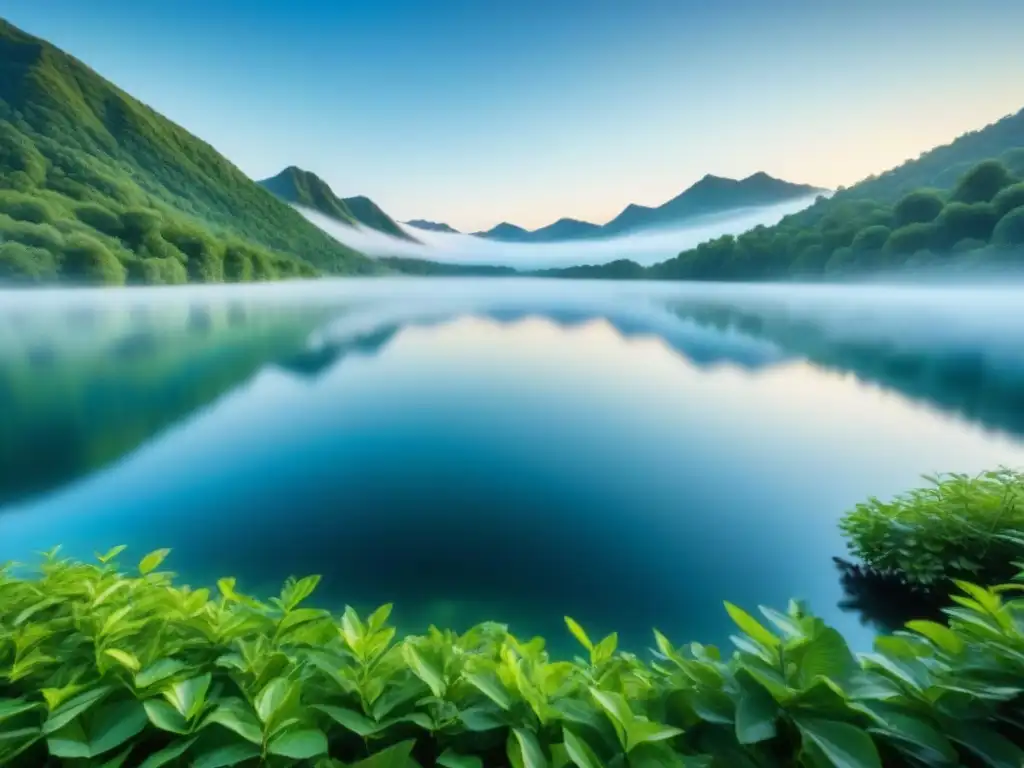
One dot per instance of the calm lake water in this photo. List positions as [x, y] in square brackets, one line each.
[630, 455]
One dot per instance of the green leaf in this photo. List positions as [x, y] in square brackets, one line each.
[942, 636]
[991, 747]
[579, 751]
[529, 750]
[379, 618]
[299, 745]
[152, 561]
[165, 717]
[222, 757]
[158, 671]
[13, 707]
[479, 719]
[118, 760]
[827, 655]
[844, 745]
[756, 713]
[579, 634]
[111, 554]
[645, 732]
[911, 733]
[189, 696]
[272, 698]
[451, 759]
[396, 756]
[235, 716]
[168, 754]
[114, 724]
[491, 686]
[424, 669]
[72, 708]
[751, 626]
[349, 719]
[605, 649]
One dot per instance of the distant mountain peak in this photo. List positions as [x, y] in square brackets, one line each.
[301, 187]
[432, 226]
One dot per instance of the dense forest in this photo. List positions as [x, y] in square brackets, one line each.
[963, 203]
[95, 187]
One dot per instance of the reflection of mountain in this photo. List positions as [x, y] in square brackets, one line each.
[699, 345]
[311, 362]
[74, 404]
[968, 380]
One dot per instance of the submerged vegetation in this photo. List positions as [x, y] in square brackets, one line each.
[104, 667]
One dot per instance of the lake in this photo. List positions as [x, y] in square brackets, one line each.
[518, 450]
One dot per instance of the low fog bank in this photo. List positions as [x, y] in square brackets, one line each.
[645, 247]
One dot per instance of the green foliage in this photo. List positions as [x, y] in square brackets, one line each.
[1010, 229]
[119, 667]
[912, 238]
[89, 261]
[966, 220]
[1009, 198]
[78, 153]
[919, 207]
[959, 527]
[983, 182]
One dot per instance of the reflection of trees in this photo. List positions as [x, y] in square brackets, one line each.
[75, 399]
[885, 601]
[966, 382]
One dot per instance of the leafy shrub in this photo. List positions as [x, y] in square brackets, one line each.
[100, 219]
[26, 208]
[35, 235]
[87, 260]
[919, 207]
[1010, 229]
[871, 239]
[1008, 199]
[911, 239]
[19, 262]
[130, 669]
[983, 182]
[960, 220]
[959, 527]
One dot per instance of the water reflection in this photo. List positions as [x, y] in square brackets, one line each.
[630, 458]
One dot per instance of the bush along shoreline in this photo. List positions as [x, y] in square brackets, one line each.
[101, 666]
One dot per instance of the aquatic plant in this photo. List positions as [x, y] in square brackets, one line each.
[100, 667]
[957, 527]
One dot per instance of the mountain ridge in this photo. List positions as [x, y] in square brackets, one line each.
[298, 186]
[432, 226]
[709, 195]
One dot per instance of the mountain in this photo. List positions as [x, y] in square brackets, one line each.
[97, 187]
[958, 209]
[710, 195]
[565, 229]
[370, 214]
[432, 226]
[306, 189]
[506, 233]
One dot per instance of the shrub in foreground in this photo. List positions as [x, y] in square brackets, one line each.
[103, 668]
[958, 527]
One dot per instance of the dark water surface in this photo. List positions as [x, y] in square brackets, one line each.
[515, 450]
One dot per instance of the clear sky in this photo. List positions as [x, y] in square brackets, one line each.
[477, 111]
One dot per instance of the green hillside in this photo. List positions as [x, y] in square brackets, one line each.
[301, 187]
[960, 205]
[97, 187]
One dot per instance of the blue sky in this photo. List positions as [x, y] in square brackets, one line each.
[478, 111]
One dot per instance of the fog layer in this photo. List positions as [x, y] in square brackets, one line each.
[645, 247]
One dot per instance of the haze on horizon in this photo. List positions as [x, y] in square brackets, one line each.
[475, 113]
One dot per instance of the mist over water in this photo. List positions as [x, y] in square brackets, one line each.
[645, 247]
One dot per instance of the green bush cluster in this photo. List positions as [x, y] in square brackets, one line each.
[959, 527]
[46, 237]
[986, 207]
[99, 667]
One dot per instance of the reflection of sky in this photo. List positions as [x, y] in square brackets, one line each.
[599, 456]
